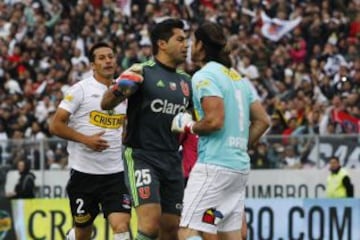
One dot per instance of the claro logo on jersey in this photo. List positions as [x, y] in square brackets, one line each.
[106, 121]
[163, 106]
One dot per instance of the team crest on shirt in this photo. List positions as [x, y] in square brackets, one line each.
[172, 86]
[144, 192]
[185, 88]
[212, 216]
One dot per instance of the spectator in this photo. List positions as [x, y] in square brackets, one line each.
[247, 69]
[145, 51]
[259, 157]
[25, 188]
[3, 142]
[355, 27]
[78, 57]
[291, 159]
[338, 183]
[34, 132]
[311, 125]
[130, 54]
[298, 50]
[17, 148]
[278, 124]
[291, 126]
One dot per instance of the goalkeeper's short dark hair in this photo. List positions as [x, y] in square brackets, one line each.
[164, 31]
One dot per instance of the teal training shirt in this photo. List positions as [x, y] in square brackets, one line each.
[228, 146]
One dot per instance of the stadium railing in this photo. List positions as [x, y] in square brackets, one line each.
[49, 156]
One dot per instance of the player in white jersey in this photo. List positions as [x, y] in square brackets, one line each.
[230, 118]
[95, 149]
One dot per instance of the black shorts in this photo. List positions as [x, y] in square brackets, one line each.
[88, 193]
[154, 177]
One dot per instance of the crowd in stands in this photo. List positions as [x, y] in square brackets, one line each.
[309, 80]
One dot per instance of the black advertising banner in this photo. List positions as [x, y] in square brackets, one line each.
[347, 149]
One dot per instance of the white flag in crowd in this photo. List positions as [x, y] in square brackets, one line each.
[275, 28]
[125, 5]
[188, 2]
[238, 2]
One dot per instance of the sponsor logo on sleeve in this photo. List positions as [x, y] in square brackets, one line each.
[202, 84]
[68, 97]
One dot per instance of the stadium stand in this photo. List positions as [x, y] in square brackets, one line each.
[308, 79]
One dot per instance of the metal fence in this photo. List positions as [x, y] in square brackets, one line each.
[272, 152]
[307, 151]
[49, 156]
[43, 154]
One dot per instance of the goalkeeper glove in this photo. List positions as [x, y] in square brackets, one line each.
[182, 123]
[128, 82]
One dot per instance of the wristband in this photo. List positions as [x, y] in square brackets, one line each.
[115, 91]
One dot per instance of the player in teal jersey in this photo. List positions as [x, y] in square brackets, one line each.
[229, 119]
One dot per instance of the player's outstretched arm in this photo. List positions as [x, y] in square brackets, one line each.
[126, 84]
[111, 100]
[212, 121]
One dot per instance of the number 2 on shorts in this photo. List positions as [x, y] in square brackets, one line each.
[80, 203]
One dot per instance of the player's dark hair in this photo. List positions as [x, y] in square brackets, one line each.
[164, 31]
[214, 43]
[27, 166]
[94, 48]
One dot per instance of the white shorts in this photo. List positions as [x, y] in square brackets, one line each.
[214, 199]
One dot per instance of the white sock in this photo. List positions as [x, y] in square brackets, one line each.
[122, 236]
[71, 235]
[194, 238]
